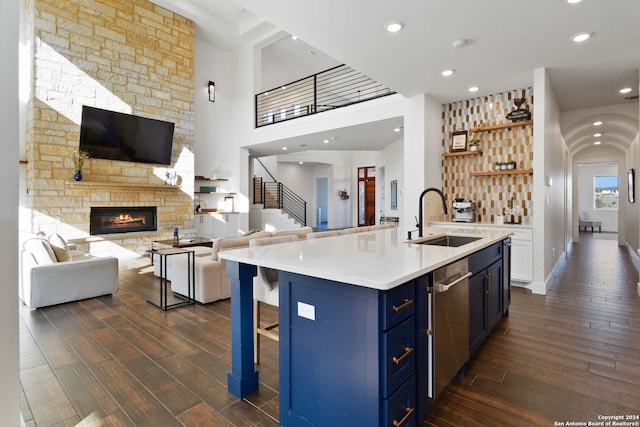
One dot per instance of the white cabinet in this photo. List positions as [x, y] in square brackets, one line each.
[211, 225]
[521, 246]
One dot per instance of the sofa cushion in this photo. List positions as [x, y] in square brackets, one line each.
[41, 251]
[59, 247]
[300, 233]
[223, 243]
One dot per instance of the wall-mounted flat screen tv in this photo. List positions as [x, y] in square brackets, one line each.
[119, 136]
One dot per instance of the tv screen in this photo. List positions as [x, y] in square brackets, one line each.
[119, 136]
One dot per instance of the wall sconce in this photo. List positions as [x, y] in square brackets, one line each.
[212, 91]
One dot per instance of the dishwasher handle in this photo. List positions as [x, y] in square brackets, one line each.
[445, 288]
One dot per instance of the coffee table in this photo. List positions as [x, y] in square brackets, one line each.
[184, 243]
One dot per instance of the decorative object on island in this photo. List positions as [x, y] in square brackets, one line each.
[519, 114]
[459, 140]
[79, 157]
[474, 145]
[343, 194]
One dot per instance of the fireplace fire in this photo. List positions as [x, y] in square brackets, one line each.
[125, 219]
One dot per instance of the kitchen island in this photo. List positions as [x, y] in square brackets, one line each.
[357, 342]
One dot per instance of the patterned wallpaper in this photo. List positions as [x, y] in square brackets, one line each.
[492, 194]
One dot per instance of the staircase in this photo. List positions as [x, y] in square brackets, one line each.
[276, 206]
[271, 219]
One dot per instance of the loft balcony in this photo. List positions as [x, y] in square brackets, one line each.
[336, 87]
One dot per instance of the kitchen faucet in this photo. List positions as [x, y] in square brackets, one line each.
[444, 207]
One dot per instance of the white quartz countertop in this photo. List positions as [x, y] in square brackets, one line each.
[376, 259]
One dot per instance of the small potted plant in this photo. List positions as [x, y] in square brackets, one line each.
[474, 145]
[498, 166]
[512, 164]
[79, 157]
[503, 166]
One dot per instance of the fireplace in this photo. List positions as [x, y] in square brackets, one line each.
[125, 219]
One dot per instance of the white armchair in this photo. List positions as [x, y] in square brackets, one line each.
[47, 279]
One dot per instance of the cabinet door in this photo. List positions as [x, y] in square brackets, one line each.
[522, 260]
[493, 288]
[203, 225]
[477, 310]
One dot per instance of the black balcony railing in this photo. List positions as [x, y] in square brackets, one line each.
[334, 88]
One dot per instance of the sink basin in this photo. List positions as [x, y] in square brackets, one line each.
[448, 240]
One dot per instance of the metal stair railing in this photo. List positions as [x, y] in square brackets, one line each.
[333, 88]
[275, 195]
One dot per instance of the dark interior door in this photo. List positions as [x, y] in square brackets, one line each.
[366, 196]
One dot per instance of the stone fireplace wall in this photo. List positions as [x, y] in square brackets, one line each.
[129, 56]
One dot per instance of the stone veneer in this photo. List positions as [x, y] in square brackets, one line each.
[130, 56]
[491, 193]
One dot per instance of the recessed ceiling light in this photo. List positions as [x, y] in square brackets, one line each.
[301, 163]
[326, 141]
[573, 1]
[294, 37]
[625, 90]
[394, 26]
[578, 38]
[460, 43]
[398, 128]
[284, 148]
[598, 123]
[597, 143]
[474, 88]
[447, 73]
[597, 135]
[283, 87]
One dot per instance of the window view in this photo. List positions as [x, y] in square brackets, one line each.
[606, 192]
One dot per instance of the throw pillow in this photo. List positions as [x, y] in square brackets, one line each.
[60, 247]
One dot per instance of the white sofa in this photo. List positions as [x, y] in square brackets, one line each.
[212, 283]
[53, 273]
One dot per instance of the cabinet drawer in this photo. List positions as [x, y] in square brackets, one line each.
[397, 305]
[522, 234]
[400, 409]
[485, 257]
[398, 357]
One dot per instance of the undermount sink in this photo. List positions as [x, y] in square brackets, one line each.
[448, 240]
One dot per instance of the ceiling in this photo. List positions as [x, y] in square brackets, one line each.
[505, 41]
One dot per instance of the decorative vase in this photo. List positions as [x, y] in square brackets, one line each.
[77, 175]
[473, 148]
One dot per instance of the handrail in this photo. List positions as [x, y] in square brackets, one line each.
[336, 87]
[276, 195]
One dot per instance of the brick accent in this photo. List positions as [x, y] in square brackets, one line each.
[129, 56]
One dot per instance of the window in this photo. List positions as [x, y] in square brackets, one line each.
[606, 192]
[283, 113]
[296, 109]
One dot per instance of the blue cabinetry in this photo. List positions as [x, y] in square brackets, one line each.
[348, 353]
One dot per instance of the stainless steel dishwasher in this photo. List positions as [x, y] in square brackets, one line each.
[448, 325]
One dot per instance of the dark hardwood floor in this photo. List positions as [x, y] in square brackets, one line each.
[571, 355]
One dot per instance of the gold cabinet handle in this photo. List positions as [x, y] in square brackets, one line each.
[407, 351]
[406, 304]
[407, 415]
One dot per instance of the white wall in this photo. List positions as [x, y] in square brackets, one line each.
[586, 174]
[632, 210]
[392, 158]
[9, 356]
[549, 177]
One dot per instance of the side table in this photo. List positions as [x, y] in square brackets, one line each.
[191, 279]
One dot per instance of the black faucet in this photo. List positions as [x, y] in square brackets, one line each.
[444, 207]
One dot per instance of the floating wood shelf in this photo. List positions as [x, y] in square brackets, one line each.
[204, 178]
[115, 185]
[461, 153]
[504, 172]
[503, 126]
[23, 162]
[214, 192]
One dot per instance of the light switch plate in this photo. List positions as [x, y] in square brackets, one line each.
[307, 311]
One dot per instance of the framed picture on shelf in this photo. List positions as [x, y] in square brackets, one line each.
[459, 140]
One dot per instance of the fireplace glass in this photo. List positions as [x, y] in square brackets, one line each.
[122, 219]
